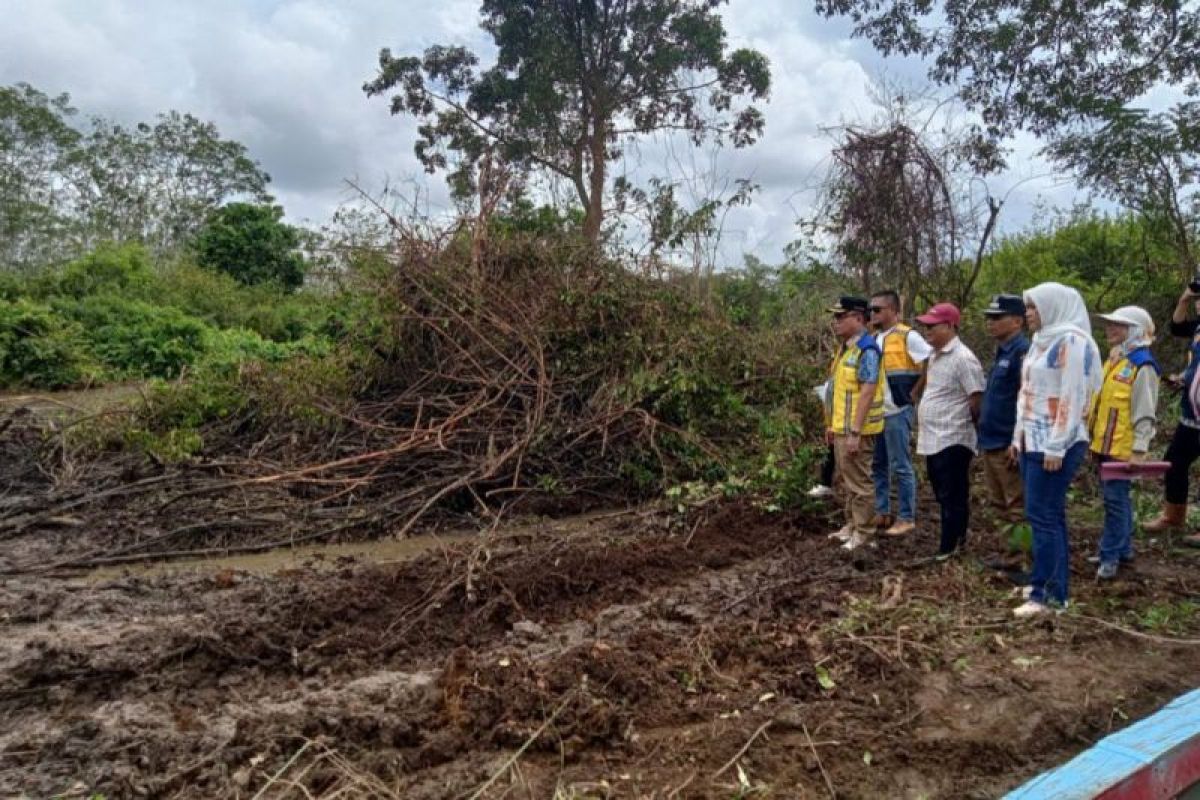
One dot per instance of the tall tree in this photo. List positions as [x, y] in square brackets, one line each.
[37, 146]
[64, 187]
[1075, 74]
[157, 183]
[573, 82]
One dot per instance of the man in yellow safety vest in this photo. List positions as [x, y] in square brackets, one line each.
[856, 387]
[904, 353]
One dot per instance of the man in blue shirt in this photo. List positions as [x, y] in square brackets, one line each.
[1005, 320]
[856, 393]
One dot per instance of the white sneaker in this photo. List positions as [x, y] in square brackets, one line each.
[842, 534]
[854, 541]
[1031, 608]
[820, 490]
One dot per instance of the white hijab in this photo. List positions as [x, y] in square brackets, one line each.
[1141, 334]
[1063, 312]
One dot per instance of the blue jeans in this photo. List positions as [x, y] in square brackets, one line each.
[1046, 510]
[1116, 543]
[893, 457]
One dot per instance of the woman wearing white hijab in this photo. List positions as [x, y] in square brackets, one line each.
[1061, 373]
[1122, 424]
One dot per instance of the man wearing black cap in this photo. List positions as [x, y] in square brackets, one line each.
[1005, 323]
[855, 415]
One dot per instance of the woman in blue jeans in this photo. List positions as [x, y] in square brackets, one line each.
[1061, 373]
[1122, 424]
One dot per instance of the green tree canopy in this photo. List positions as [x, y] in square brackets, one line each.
[1033, 65]
[157, 183]
[1078, 75]
[66, 187]
[573, 82]
[251, 243]
[37, 147]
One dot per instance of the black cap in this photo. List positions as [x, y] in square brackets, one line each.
[1005, 305]
[850, 303]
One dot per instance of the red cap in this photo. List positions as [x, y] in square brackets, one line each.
[942, 312]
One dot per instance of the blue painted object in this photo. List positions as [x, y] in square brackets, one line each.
[1155, 758]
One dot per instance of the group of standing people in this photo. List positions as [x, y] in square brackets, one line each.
[1046, 400]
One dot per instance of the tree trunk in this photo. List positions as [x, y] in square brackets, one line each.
[988, 229]
[593, 218]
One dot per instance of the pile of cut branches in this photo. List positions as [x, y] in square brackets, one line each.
[507, 375]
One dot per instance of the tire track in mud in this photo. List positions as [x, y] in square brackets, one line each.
[311, 631]
[646, 658]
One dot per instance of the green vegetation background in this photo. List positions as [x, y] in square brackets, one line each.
[730, 360]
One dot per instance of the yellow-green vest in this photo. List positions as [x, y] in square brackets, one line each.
[846, 389]
[1111, 426]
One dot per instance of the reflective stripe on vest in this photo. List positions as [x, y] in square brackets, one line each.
[846, 391]
[1111, 426]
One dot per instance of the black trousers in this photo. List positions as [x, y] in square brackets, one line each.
[1182, 453]
[827, 468]
[950, 477]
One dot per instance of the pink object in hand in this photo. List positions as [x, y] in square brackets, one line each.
[1129, 471]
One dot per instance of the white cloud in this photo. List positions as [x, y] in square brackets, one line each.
[285, 78]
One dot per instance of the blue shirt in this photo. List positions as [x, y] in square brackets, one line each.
[998, 415]
[870, 360]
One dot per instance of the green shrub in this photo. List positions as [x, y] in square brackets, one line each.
[223, 302]
[170, 446]
[122, 268]
[253, 244]
[228, 347]
[134, 338]
[40, 349]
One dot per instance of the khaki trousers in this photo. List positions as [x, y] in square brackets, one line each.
[1005, 491]
[855, 472]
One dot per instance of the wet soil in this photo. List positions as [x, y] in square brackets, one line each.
[732, 654]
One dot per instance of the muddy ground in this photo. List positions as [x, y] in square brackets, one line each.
[725, 653]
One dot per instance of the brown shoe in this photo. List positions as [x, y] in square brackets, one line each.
[883, 521]
[1192, 540]
[1174, 515]
[901, 528]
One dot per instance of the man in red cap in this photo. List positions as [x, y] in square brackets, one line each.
[947, 415]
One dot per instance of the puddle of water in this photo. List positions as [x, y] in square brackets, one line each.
[379, 551]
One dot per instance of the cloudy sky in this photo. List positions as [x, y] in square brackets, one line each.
[284, 77]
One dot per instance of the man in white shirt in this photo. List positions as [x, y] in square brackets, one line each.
[948, 413]
[904, 351]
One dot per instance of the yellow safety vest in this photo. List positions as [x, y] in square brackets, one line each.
[846, 389]
[896, 359]
[902, 371]
[1111, 426]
